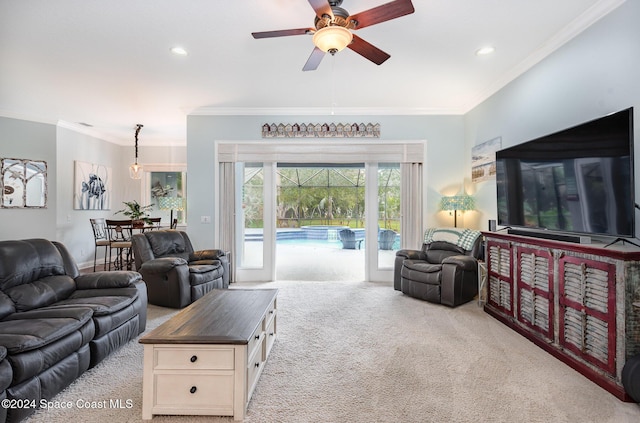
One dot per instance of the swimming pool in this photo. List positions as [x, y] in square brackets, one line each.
[311, 236]
[317, 233]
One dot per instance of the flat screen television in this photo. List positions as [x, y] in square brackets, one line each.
[578, 180]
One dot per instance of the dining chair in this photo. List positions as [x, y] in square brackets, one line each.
[101, 239]
[119, 233]
[154, 223]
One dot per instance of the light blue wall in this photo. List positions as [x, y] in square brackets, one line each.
[21, 139]
[594, 74]
[73, 227]
[446, 168]
[60, 147]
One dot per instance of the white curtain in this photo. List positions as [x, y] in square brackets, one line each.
[227, 212]
[411, 205]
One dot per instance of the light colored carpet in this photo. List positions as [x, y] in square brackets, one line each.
[362, 352]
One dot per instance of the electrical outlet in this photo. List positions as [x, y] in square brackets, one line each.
[205, 219]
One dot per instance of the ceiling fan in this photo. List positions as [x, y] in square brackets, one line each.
[333, 27]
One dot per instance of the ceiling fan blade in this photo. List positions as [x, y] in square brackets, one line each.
[314, 60]
[281, 33]
[368, 51]
[383, 13]
[321, 7]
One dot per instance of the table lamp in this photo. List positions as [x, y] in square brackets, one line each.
[457, 203]
[171, 203]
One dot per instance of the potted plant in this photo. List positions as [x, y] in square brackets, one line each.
[137, 213]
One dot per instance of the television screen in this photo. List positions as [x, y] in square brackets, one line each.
[577, 180]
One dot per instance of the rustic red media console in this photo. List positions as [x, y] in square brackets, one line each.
[573, 300]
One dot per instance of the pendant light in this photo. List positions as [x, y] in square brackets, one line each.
[135, 170]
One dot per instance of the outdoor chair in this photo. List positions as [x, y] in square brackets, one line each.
[386, 238]
[348, 239]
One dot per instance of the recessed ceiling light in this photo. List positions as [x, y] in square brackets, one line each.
[179, 51]
[485, 50]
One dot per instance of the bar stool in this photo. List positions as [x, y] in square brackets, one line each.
[120, 232]
[100, 238]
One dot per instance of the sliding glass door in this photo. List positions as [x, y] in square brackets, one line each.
[268, 199]
[255, 237]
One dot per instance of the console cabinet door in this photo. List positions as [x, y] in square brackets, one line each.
[534, 281]
[500, 282]
[587, 310]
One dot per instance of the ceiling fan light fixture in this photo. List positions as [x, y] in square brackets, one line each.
[332, 39]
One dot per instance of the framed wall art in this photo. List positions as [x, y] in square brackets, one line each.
[92, 186]
[23, 183]
[483, 160]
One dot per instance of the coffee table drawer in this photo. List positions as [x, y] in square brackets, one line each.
[271, 335]
[205, 358]
[256, 340]
[272, 309]
[254, 369]
[202, 391]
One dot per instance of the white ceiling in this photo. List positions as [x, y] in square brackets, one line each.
[107, 62]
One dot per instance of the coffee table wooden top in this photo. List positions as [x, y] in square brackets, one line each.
[223, 316]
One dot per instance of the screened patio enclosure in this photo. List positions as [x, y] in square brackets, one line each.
[332, 194]
[313, 203]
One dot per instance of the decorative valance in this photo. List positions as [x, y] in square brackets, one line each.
[324, 130]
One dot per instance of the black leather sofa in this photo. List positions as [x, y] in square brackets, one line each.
[444, 270]
[56, 323]
[6, 375]
[177, 275]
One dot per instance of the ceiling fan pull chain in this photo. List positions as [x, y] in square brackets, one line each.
[333, 84]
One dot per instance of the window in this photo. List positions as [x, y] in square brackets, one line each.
[165, 191]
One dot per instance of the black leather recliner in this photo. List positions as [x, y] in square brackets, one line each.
[444, 271]
[6, 376]
[175, 274]
[56, 323]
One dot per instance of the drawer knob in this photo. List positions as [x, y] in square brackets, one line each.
[271, 334]
[194, 358]
[257, 364]
[270, 311]
[193, 389]
[257, 336]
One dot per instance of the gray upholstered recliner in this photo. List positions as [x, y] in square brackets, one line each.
[175, 274]
[444, 271]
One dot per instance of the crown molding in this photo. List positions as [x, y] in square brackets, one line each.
[28, 117]
[85, 130]
[320, 111]
[570, 31]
